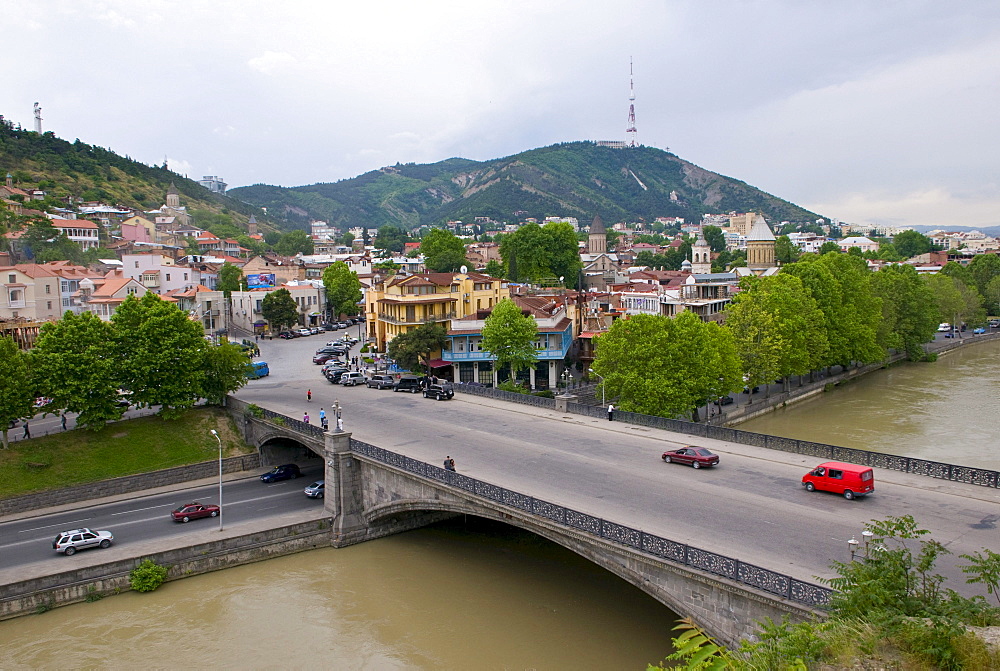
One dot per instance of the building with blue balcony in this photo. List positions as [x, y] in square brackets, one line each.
[472, 364]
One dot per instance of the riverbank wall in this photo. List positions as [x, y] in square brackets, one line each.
[127, 484]
[91, 583]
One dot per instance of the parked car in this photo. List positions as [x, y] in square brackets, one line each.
[950, 335]
[696, 457]
[68, 542]
[995, 323]
[327, 326]
[334, 374]
[303, 332]
[284, 472]
[725, 400]
[193, 511]
[324, 357]
[328, 349]
[352, 378]
[944, 326]
[288, 335]
[979, 330]
[410, 383]
[316, 489]
[838, 477]
[442, 391]
[315, 330]
[381, 382]
[343, 325]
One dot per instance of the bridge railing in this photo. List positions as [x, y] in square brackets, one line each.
[934, 469]
[275, 417]
[779, 584]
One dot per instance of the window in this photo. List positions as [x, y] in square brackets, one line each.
[12, 279]
[185, 277]
[836, 475]
[48, 289]
[49, 305]
[136, 264]
[168, 277]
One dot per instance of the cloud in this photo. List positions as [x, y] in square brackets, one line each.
[272, 62]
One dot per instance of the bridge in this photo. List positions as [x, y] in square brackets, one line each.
[725, 579]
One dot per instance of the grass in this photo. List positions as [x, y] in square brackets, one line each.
[122, 448]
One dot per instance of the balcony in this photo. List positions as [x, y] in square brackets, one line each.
[389, 319]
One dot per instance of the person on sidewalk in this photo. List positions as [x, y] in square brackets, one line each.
[64, 421]
[611, 412]
[449, 464]
[305, 417]
[322, 415]
[27, 431]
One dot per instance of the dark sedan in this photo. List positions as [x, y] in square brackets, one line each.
[324, 357]
[193, 511]
[694, 456]
[284, 472]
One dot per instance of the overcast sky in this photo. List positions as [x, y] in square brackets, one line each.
[864, 111]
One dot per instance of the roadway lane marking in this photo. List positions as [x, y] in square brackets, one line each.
[137, 510]
[61, 524]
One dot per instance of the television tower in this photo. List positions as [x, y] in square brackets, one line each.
[631, 132]
[38, 119]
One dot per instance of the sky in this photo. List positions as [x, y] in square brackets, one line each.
[867, 112]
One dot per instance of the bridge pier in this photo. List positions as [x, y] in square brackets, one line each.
[344, 491]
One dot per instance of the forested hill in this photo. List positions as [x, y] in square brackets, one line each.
[94, 173]
[576, 179]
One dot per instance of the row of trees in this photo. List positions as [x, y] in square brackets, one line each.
[819, 312]
[150, 353]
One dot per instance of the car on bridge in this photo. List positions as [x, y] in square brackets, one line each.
[193, 511]
[849, 480]
[696, 457]
[283, 472]
[68, 542]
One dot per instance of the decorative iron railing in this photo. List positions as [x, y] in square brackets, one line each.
[779, 584]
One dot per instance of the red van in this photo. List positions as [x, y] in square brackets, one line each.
[835, 476]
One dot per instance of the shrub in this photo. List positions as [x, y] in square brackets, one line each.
[508, 385]
[147, 576]
[548, 393]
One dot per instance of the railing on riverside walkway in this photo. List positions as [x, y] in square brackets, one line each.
[757, 577]
[933, 469]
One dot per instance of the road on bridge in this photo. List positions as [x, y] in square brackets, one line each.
[752, 507]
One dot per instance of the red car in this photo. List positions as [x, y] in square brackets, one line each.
[192, 511]
[695, 456]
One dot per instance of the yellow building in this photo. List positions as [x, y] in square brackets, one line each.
[399, 303]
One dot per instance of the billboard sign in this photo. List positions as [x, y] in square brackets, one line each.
[261, 281]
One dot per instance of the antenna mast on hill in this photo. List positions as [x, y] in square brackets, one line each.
[38, 119]
[631, 132]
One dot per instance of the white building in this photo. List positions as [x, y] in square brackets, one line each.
[80, 231]
[159, 273]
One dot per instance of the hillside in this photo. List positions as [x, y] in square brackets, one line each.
[577, 179]
[93, 173]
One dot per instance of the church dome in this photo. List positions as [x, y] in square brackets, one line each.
[760, 231]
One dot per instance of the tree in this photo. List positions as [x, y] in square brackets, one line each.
[911, 243]
[160, 353]
[347, 239]
[509, 336]
[16, 397]
[294, 242]
[494, 269]
[827, 247]
[443, 251]
[343, 289]
[415, 347]
[74, 363]
[715, 238]
[391, 239]
[785, 251]
[43, 242]
[909, 312]
[225, 371]
[991, 297]
[959, 272]
[279, 309]
[956, 301]
[230, 279]
[563, 252]
[984, 268]
[664, 366]
[524, 254]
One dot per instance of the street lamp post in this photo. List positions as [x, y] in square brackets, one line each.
[338, 426]
[219, 440]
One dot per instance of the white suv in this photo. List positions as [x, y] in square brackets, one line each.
[68, 542]
[352, 378]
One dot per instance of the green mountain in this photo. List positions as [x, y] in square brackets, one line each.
[75, 169]
[576, 179]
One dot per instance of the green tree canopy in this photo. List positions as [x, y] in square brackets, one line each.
[414, 348]
[509, 336]
[984, 268]
[827, 247]
[911, 243]
[279, 309]
[956, 301]
[294, 242]
[715, 238]
[230, 279]
[664, 366]
[75, 363]
[494, 269]
[16, 388]
[443, 251]
[563, 253]
[160, 353]
[43, 242]
[343, 289]
[391, 239]
[225, 371]
[959, 272]
[784, 251]
[909, 310]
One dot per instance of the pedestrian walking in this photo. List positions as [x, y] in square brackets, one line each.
[611, 412]
[322, 415]
[64, 421]
[340, 423]
[309, 395]
[27, 430]
[324, 424]
[305, 417]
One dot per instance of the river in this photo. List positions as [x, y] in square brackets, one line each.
[476, 594]
[466, 594]
[943, 411]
